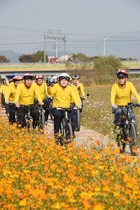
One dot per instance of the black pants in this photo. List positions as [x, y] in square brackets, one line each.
[58, 115]
[12, 113]
[22, 110]
[46, 107]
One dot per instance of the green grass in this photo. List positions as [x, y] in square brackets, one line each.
[97, 113]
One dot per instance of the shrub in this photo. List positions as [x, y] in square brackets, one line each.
[106, 68]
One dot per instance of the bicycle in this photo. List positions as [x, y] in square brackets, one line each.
[66, 133]
[28, 121]
[78, 113]
[127, 130]
[41, 120]
[78, 117]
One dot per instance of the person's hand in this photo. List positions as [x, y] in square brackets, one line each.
[7, 102]
[80, 106]
[41, 103]
[17, 104]
[84, 98]
[138, 103]
[114, 106]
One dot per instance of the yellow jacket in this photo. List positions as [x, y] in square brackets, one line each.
[4, 89]
[80, 89]
[63, 96]
[76, 93]
[26, 96]
[10, 94]
[43, 90]
[122, 96]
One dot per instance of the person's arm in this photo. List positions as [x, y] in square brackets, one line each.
[82, 92]
[52, 90]
[46, 90]
[75, 99]
[135, 93]
[7, 94]
[18, 90]
[38, 96]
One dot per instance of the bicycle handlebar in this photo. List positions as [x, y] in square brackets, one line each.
[133, 105]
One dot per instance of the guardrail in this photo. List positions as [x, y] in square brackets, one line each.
[134, 71]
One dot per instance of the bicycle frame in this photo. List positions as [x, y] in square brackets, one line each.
[127, 130]
[28, 118]
[41, 122]
[65, 128]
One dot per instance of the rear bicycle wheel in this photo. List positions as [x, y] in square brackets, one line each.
[78, 120]
[132, 138]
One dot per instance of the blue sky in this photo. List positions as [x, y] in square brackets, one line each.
[85, 24]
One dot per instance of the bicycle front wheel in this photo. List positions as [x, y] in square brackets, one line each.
[41, 120]
[29, 125]
[121, 140]
[68, 132]
[132, 138]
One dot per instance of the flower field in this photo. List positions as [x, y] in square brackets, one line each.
[35, 173]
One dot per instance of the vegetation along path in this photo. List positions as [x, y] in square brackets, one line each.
[86, 137]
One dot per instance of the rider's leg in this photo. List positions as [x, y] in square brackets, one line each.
[34, 111]
[12, 110]
[21, 116]
[117, 116]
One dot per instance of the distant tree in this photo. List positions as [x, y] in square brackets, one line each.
[80, 57]
[32, 58]
[3, 59]
[106, 68]
[39, 56]
[27, 58]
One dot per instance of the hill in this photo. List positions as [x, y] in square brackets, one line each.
[14, 56]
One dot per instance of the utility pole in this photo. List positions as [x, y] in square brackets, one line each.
[64, 39]
[104, 45]
[45, 48]
[56, 38]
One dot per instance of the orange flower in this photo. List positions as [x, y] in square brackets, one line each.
[98, 207]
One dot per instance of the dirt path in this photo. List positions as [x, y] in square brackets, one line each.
[84, 137]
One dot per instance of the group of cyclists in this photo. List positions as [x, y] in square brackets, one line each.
[29, 92]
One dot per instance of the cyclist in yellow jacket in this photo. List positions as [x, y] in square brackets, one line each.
[121, 93]
[10, 97]
[79, 90]
[3, 90]
[43, 89]
[79, 86]
[24, 99]
[62, 95]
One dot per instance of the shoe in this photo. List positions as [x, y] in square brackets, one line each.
[74, 136]
[116, 129]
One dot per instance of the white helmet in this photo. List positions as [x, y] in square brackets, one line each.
[54, 77]
[64, 76]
